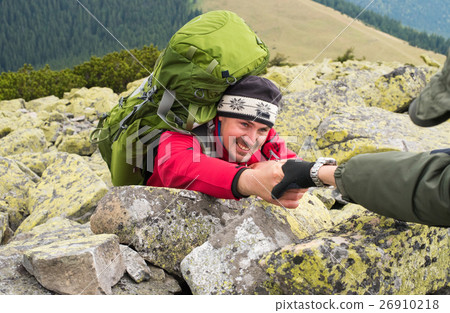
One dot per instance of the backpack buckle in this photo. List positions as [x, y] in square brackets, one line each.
[196, 93]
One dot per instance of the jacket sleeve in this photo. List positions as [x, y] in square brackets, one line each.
[413, 187]
[181, 164]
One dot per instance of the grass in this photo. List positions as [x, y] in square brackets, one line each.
[301, 29]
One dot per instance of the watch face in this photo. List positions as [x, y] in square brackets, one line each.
[315, 169]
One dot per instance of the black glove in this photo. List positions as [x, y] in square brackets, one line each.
[296, 175]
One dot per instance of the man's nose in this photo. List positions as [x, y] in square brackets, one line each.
[251, 137]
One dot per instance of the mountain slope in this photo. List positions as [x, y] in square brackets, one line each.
[415, 13]
[301, 29]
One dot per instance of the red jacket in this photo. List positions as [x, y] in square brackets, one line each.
[179, 163]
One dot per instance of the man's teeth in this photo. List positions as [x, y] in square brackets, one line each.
[243, 147]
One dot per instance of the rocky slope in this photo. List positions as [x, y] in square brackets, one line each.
[64, 228]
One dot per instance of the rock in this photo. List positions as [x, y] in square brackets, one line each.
[36, 162]
[27, 120]
[89, 265]
[309, 76]
[7, 124]
[223, 246]
[68, 188]
[51, 130]
[306, 110]
[49, 104]
[157, 273]
[83, 100]
[126, 286]
[163, 225]
[15, 181]
[226, 263]
[14, 278]
[366, 255]
[395, 90]
[355, 130]
[349, 211]
[77, 143]
[57, 228]
[99, 167]
[3, 225]
[12, 105]
[135, 264]
[23, 140]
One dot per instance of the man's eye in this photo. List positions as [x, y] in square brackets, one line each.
[244, 124]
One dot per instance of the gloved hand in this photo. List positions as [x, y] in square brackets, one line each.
[296, 175]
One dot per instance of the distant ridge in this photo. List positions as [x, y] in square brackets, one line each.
[301, 29]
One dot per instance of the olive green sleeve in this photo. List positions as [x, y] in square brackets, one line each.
[413, 187]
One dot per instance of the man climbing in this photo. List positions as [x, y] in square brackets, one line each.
[242, 149]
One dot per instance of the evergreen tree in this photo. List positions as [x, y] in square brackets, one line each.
[62, 34]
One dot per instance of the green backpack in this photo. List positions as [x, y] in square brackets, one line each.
[204, 57]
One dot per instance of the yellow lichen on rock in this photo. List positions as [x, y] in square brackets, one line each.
[69, 188]
[78, 143]
[14, 186]
[366, 255]
[23, 140]
[83, 100]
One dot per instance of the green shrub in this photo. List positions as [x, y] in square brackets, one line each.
[114, 70]
[348, 55]
[29, 84]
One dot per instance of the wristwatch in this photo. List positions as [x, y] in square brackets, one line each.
[315, 170]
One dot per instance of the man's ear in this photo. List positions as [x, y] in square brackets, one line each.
[221, 118]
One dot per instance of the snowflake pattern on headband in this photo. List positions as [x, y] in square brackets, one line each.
[237, 104]
[263, 109]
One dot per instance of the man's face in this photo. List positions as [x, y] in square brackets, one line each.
[242, 138]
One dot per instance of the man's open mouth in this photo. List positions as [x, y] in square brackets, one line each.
[242, 145]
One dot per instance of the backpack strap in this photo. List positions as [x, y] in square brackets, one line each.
[164, 111]
[193, 108]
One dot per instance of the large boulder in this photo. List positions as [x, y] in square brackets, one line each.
[77, 144]
[355, 130]
[12, 105]
[37, 162]
[89, 265]
[90, 102]
[366, 255]
[14, 278]
[48, 104]
[225, 264]
[68, 188]
[23, 140]
[228, 262]
[395, 90]
[66, 257]
[15, 182]
[163, 225]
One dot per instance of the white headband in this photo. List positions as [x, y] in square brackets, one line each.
[248, 109]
